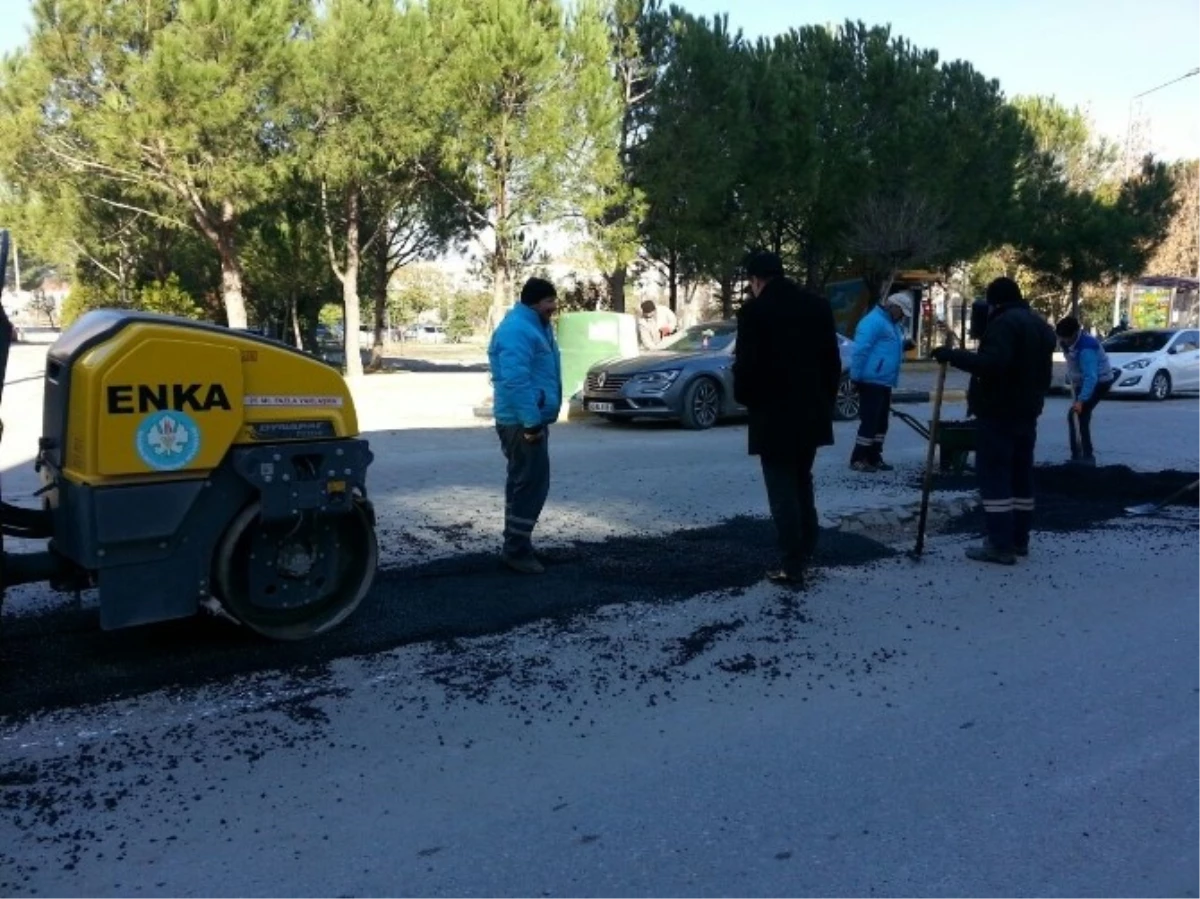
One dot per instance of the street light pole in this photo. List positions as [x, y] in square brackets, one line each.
[1125, 169]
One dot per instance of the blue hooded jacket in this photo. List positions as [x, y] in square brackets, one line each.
[1088, 365]
[878, 349]
[526, 370]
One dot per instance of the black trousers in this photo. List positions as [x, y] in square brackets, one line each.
[789, 484]
[875, 403]
[1082, 442]
[1004, 465]
[526, 488]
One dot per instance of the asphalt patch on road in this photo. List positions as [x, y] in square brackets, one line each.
[1076, 498]
[61, 658]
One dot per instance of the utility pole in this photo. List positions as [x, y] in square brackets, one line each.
[1125, 171]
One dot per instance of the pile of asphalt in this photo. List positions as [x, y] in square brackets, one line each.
[1078, 498]
[61, 658]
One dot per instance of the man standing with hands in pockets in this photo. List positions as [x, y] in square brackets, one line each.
[526, 371]
[786, 371]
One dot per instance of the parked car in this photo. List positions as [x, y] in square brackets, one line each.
[1155, 362]
[425, 333]
[690, 381]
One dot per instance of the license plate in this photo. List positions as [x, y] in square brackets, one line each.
[600, 407]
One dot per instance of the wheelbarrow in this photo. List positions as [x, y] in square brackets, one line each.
[955, 441]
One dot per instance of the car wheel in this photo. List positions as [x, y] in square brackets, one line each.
[846, 406]
[701, 405]
[1160, 387]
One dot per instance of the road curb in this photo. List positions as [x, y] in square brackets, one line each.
[573, 409]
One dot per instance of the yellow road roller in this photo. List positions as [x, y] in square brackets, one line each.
[185, 467]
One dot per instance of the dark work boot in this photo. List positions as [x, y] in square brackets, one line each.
[523, 564]
[986, 552]
[782, 577]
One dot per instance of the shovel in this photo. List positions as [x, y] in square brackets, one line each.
[1149, 508]
[927, 484]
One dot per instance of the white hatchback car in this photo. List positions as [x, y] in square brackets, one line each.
[1155, 362]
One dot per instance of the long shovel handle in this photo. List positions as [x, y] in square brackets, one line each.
[927, 484]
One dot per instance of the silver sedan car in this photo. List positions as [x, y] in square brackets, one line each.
[690, 380]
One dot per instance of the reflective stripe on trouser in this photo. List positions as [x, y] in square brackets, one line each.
[874, 405]
[1004, 463]
[526, 487]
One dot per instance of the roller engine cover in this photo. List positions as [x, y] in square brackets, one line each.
[159, 433]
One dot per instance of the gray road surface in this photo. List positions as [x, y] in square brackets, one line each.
[927, 728]
[910, 728]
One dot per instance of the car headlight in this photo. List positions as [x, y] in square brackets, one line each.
[1138, 365]
[661, 379]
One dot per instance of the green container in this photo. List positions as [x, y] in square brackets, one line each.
[585, 338]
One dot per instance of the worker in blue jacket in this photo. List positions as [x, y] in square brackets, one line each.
[1092, 377]
[526, 373]
[879, 343]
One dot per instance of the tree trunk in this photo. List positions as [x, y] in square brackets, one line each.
[500, 298]
[500, 257]
[616, 287]
[294, 314]
[501, 301]
[231, 281]
[380, 291]
[886, 288]
[812, 266]
[1076, 288]
[352, 319]
[726, 296]
[673, 280]
[231, 268]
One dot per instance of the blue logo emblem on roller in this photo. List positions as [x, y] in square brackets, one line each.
[168, 441]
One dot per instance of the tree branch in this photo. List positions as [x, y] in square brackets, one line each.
[465, 204]
[94, 261]
[341, 275]
[130, 208]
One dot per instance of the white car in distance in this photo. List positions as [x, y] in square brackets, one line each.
[1155, 362]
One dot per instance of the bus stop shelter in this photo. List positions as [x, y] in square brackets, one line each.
[1164, 302]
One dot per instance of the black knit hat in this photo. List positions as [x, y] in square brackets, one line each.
[1003, 291]
[1068, 327]
[761, 264]
[536, 290]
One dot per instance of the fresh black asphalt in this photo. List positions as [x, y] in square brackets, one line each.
[61, 658]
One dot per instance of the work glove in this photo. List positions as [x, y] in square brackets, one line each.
[533, 435]
[941, 354]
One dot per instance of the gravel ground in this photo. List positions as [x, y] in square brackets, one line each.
[649, 717]
[901, 728]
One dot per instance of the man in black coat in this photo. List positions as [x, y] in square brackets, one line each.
[785, 372]
[1010, 376]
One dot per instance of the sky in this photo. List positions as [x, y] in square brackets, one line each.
[1095, 55]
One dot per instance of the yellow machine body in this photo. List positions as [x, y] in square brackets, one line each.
[155, 398]
[187, 465]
